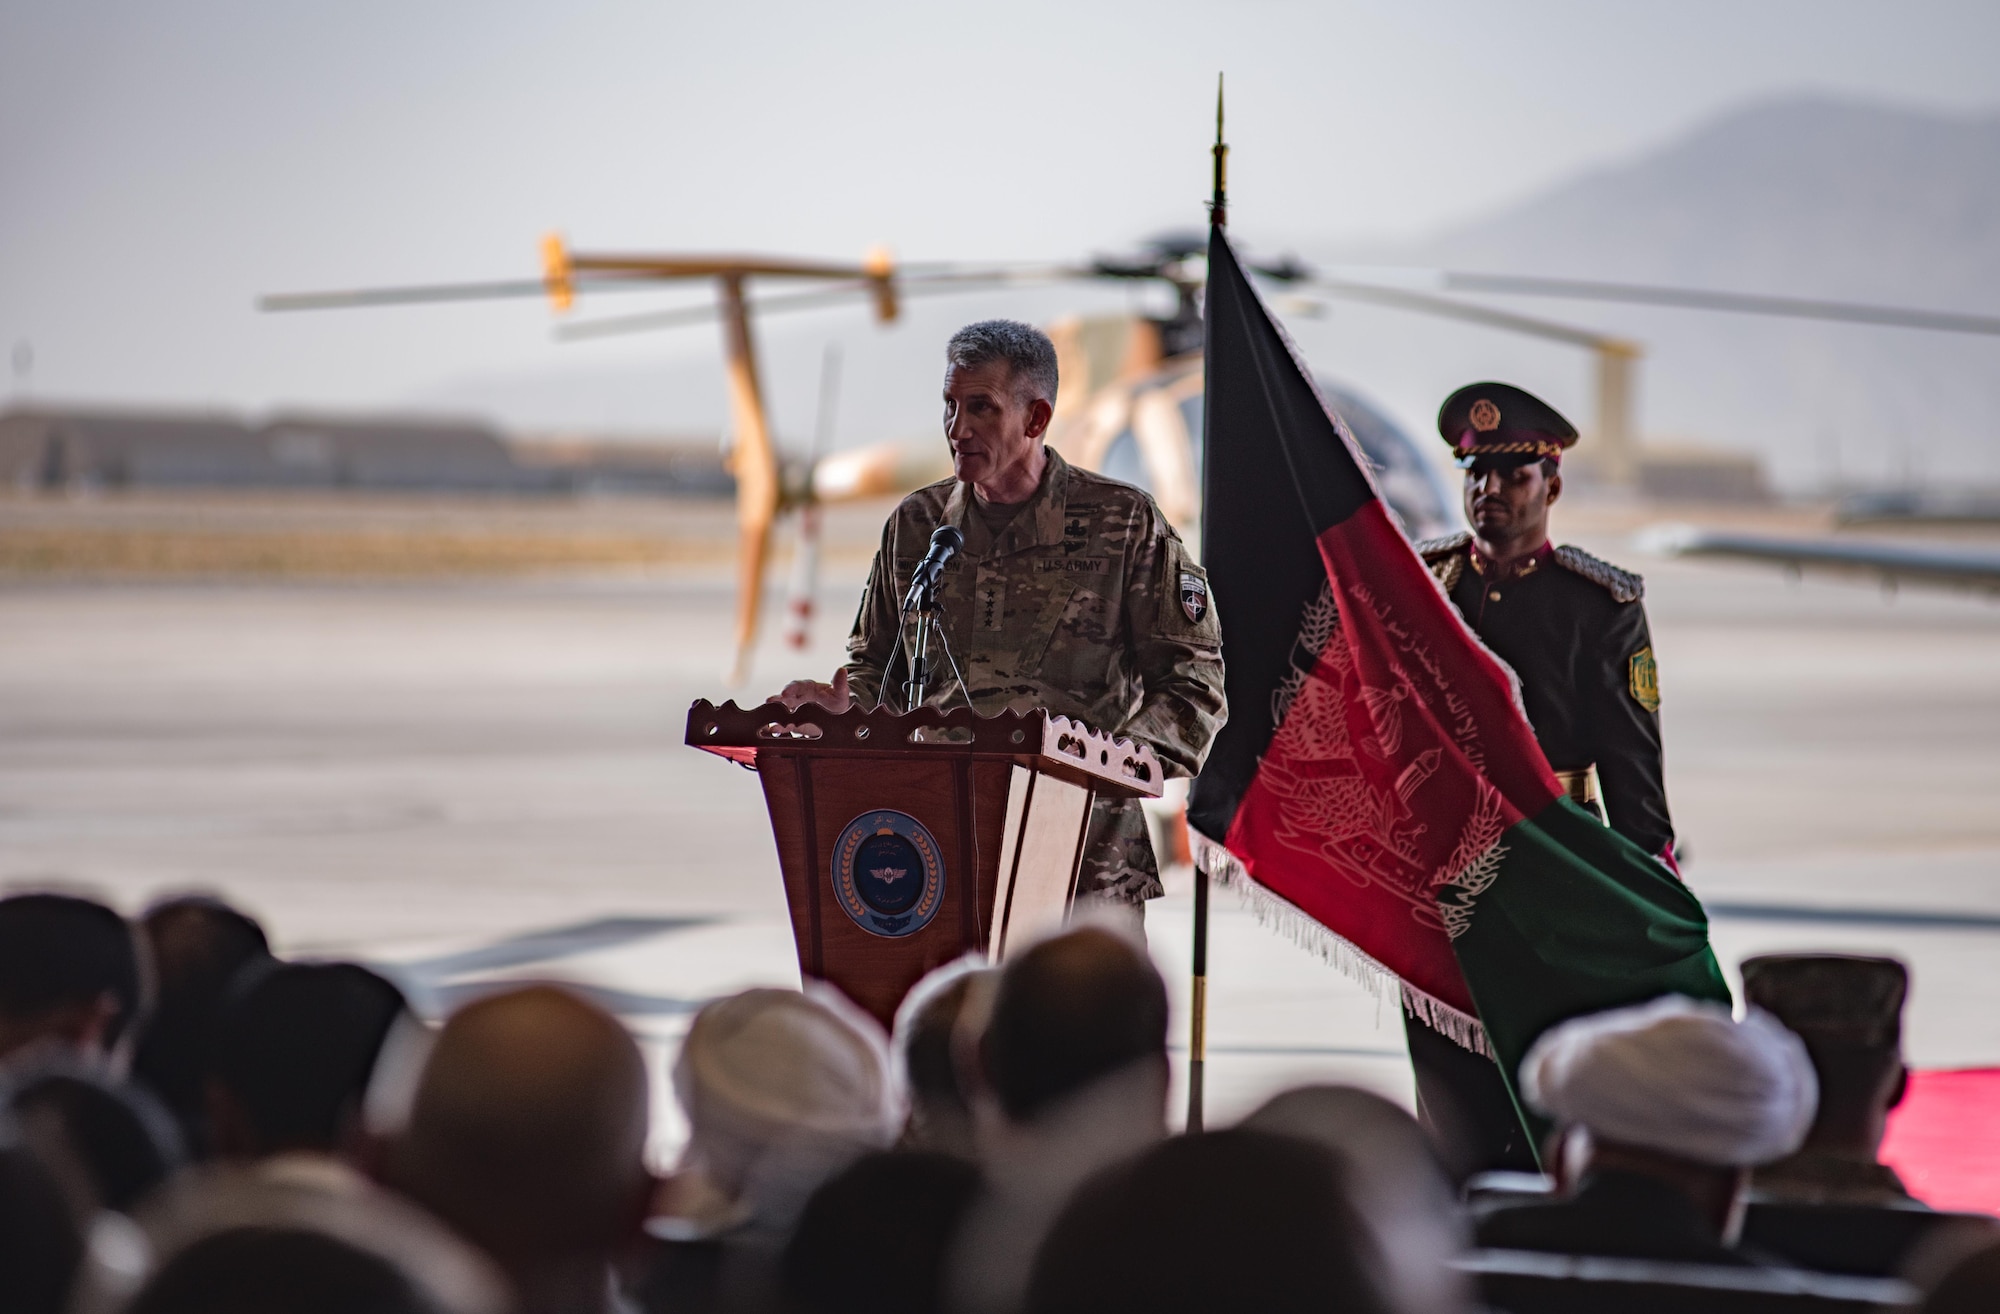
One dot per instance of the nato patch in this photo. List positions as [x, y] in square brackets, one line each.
[888, 874]
[1643, 678]
[1194, 596]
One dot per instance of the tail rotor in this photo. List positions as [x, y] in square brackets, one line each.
[805, 567]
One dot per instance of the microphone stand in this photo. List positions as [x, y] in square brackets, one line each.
[946, 542]
[924, 607]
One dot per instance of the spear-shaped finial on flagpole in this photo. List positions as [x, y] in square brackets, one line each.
[1218, 206]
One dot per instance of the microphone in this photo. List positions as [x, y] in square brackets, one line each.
[945, 544]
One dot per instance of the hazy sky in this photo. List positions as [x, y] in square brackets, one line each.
[161, 164]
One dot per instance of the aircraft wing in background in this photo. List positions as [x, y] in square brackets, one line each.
[1893, 564]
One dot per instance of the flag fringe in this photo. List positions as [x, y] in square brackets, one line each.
[1277, 913]
[1460, 1027]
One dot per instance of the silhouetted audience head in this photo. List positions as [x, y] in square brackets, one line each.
[934, 1034]
[278, 1270]
[1073, 1009]
[1224, 1221]
[198, 944]
[293, 1049]
[1679, 1091]
[107, 1145]
[299, 1193]
[1033, 1174]
[40, 1242]
[1396, 1185]
[70, 975]
[1849, 1012]
[874, 1238]
[526, 1134]
[1070, 1076]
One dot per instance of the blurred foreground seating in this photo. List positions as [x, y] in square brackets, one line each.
[1841, 1239]
[1537, 1282]
[1862, 1240]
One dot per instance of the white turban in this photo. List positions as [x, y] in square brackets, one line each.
[769, 1065]
[1678, 1076]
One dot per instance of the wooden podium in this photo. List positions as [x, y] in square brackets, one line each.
[907, 840]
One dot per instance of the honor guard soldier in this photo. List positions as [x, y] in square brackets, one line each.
[1573, 628]
[1071, 592]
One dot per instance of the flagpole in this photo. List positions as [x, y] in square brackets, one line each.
[1218, 205]
[1218, 215]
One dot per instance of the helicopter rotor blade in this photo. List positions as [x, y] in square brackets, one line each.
[753, 549]
[707, 312]
[1430, 304]
[1741, 303]
[925, 282]
[438, 293]
[1681, 298]
[753, 459]
[403, 296]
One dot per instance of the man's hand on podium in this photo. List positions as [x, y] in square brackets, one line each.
[834, 697]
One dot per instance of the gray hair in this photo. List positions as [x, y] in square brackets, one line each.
[1030, 356]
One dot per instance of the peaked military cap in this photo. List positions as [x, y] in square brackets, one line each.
[1498, 419]
[1831, 999]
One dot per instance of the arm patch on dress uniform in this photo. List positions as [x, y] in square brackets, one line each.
[1643, 679]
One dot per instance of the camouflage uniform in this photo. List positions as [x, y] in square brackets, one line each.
[1087, 604]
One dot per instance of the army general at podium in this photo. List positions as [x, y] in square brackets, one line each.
[1072, 593]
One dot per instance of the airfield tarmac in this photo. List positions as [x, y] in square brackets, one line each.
[470, 781]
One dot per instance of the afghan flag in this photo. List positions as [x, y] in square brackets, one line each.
[1378, 784]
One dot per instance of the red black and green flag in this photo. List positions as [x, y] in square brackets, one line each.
[1377, 776]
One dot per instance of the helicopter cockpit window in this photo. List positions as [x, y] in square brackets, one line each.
[1409, 485]
[1123, 462]
[1191, 413]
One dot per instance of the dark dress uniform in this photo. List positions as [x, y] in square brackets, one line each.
[1573, 628]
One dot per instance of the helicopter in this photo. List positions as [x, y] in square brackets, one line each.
[1132, 409]
[1132, 405]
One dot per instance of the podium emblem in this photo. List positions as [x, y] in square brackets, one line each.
[888, 874]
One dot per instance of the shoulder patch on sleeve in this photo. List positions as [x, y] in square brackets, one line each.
[1438, 547]
[1186, 606]
[1643, 679]
[1620, 584]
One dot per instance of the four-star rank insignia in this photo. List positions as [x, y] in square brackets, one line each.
[1194, 596]
[1643, 679]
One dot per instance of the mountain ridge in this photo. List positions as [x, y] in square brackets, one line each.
[1813, 196]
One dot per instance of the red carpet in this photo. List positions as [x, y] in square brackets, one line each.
[1945, 1139]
